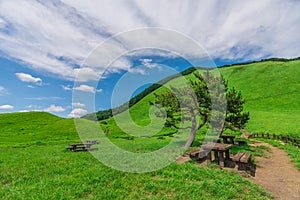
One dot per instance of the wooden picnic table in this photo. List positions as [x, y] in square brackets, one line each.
[226, 137]
[221, 151]
[84, 146]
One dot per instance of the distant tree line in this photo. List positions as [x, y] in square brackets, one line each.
[262, 60]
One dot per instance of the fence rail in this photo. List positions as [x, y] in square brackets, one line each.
[285, 138]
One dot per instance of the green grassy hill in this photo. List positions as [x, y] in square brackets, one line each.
[28, 128]
[271, 90]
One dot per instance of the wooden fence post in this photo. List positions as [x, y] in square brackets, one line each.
[287, 139]
[294, 140]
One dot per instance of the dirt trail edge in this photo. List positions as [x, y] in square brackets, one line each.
[277, 174]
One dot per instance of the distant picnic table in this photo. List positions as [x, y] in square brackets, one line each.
[226, 137]
[83, 146]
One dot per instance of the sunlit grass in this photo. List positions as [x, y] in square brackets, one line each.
[50, 172]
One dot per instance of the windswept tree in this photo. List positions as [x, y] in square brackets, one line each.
[206, 99]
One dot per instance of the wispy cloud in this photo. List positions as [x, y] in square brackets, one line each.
[78, 105]
[28, 78]
[85, 74]
[56, 36]
[35, 107]
[66, 87]
[3, 91]
[148, 63]
[22, 111]
[44, 98]
[87, 88]
[30, 86]
[77, 112]
[6, 107]
[54, 108]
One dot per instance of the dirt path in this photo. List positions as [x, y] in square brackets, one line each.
[277, 174]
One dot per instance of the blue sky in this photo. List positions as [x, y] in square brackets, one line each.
[45, 44]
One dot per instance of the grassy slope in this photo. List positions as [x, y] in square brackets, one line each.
[271, 90]
[25, 129]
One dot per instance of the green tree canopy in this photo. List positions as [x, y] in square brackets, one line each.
[206, 99]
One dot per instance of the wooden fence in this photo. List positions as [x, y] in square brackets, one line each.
[284, 138]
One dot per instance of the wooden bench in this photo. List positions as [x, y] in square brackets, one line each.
[242, 160]
[197, 154]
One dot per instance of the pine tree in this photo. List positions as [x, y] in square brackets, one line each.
[205, 100]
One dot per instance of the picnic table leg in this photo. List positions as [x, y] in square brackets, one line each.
[209, 156]
[216, 155]
[74, 148]
[221, 158]
[227, 155]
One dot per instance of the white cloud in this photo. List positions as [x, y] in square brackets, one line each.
[54, 108]
[30, 86]
[56, 36]
[24, 111]
[28, 78]
[148, 63]
[77, 112]
[85, 74]
[6, 107]
[44, 98]
[3, 91]
[34, 107]
[2, 23]
[67, 87]
[78, 105]
[87, 88]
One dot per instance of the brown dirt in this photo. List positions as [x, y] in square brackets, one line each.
[182, 159]
[277, 174]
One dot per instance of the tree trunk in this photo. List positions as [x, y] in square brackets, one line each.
[191, 139]
[195, 128]
[221, 130]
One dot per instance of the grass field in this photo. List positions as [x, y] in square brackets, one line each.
[39, 167]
